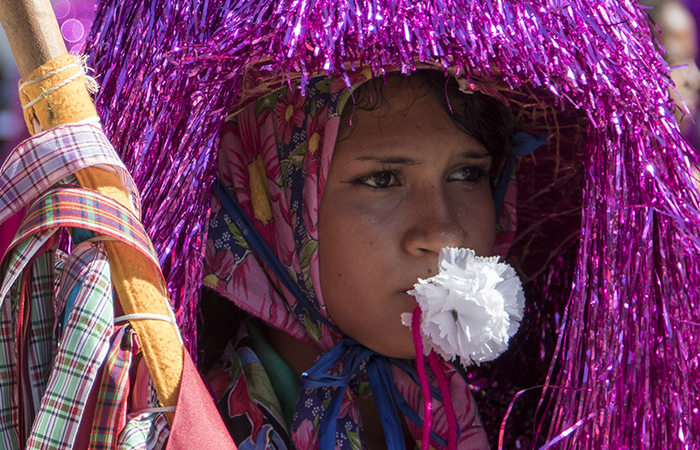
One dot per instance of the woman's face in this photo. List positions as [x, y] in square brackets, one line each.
[405, 184]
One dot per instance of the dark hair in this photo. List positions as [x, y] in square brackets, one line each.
[480, 116]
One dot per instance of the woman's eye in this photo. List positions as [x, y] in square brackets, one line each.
[383, 179]
[467, 173]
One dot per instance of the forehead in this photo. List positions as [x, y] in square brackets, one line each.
[407, 117]
[393, 94]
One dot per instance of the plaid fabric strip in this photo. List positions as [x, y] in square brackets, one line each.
[9, 395]
[41, 343]
[82, 350]
[59, 260]
[74, 274]
[14, 269]
[41, 161]
[83, 208]
[22, 253]
[145, 432]
[110, 412]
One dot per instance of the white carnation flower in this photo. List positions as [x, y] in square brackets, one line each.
[471, 308]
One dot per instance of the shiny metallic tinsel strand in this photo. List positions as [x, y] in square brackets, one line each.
[627, 366]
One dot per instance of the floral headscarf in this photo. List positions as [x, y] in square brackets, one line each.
[274, 157]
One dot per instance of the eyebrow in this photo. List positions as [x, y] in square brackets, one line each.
[413, 162]
[390, 160]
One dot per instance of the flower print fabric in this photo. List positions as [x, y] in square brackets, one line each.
[274, 157]
[245, 397]
[277, 176]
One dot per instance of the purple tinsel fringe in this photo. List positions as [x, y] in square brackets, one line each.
[625, 371]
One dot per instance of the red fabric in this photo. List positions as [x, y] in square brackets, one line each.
[197, 423]
[9, 228]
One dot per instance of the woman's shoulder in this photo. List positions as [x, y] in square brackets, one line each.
[245, 376]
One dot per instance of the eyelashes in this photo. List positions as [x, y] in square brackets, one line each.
[386, 178]
[470, 174]
[379, 180]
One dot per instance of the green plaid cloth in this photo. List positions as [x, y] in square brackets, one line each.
[82, 350]
[64, 366]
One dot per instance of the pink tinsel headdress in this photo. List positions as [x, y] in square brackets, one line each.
[618, 244]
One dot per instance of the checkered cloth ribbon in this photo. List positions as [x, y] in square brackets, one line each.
[64, 366]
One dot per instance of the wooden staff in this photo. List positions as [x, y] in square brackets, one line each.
[33, 32]
[36, 42]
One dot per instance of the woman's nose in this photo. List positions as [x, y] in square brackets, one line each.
[432, 223]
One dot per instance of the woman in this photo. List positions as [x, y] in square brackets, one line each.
[363, 216]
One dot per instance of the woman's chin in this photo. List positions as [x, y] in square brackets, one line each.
[400, 345]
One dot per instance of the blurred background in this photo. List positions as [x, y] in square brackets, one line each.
[74, 18]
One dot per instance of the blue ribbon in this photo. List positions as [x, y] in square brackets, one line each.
[522, 145]
[257, 243]
[352, 354]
